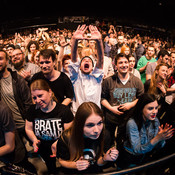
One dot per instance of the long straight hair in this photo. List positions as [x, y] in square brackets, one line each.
[75, 133]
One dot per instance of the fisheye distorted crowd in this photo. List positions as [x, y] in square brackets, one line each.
[85, 100]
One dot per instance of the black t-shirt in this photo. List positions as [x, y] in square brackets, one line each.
[49, 126]
[90, 151]
[62, 86]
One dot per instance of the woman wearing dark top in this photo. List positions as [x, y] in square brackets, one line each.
[45, 122]
[80, 149]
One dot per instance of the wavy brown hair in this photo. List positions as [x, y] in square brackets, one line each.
[153, 83]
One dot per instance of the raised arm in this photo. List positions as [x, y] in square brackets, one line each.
[78, 35]
[96, 35]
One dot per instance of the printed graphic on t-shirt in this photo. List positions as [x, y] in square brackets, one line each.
[48, 129]
[124, 95]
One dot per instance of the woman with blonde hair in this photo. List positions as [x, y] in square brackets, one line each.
[46, 120]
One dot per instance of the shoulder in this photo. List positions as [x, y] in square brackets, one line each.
[63, 108]
[64, 76]
[131, 124]
[38, 75]
[135, 79]
[142, 58]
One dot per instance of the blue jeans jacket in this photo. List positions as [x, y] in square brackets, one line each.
[138, 142]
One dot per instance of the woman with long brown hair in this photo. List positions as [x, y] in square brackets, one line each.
[81, 147]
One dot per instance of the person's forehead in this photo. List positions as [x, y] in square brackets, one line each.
[41, 57]
[93, 118]
[150, 48]
[163, 68]
[86, 59]
[131, 58]
[16, 51]
[166, 56]
[122, 59]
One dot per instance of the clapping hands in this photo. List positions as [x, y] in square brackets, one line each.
[165, 132]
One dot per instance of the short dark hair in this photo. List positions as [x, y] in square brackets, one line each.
[162, 53]
[6, 55]
[119, 56]
[47, 53]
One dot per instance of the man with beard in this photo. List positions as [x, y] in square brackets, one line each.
[120, 94]
[25, 69]
[58, 81]
[86, 76]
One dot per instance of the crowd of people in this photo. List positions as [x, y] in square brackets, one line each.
[88, 99]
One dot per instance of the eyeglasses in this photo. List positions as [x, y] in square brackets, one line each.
[13, 56]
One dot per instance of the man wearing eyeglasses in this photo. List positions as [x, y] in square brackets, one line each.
[25, 69]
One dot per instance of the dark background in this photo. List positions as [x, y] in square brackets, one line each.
[20, 13]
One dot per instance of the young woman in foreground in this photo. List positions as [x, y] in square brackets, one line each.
[81, 147]
[143, 132]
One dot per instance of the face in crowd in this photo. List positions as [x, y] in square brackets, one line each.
[122, 65]
[46, 64]
[86, 65]
[17, 58]
[93, 126]
[150, 111]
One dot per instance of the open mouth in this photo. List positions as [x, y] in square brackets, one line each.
[86, 66]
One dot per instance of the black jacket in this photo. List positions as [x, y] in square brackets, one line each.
[22, 93]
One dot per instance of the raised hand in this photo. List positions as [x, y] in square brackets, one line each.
[80, 32]
[95, 34]
[166, 132]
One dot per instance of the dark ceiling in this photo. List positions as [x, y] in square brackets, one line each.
[154, 12]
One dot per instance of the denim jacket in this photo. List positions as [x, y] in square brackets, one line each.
[138, 142]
